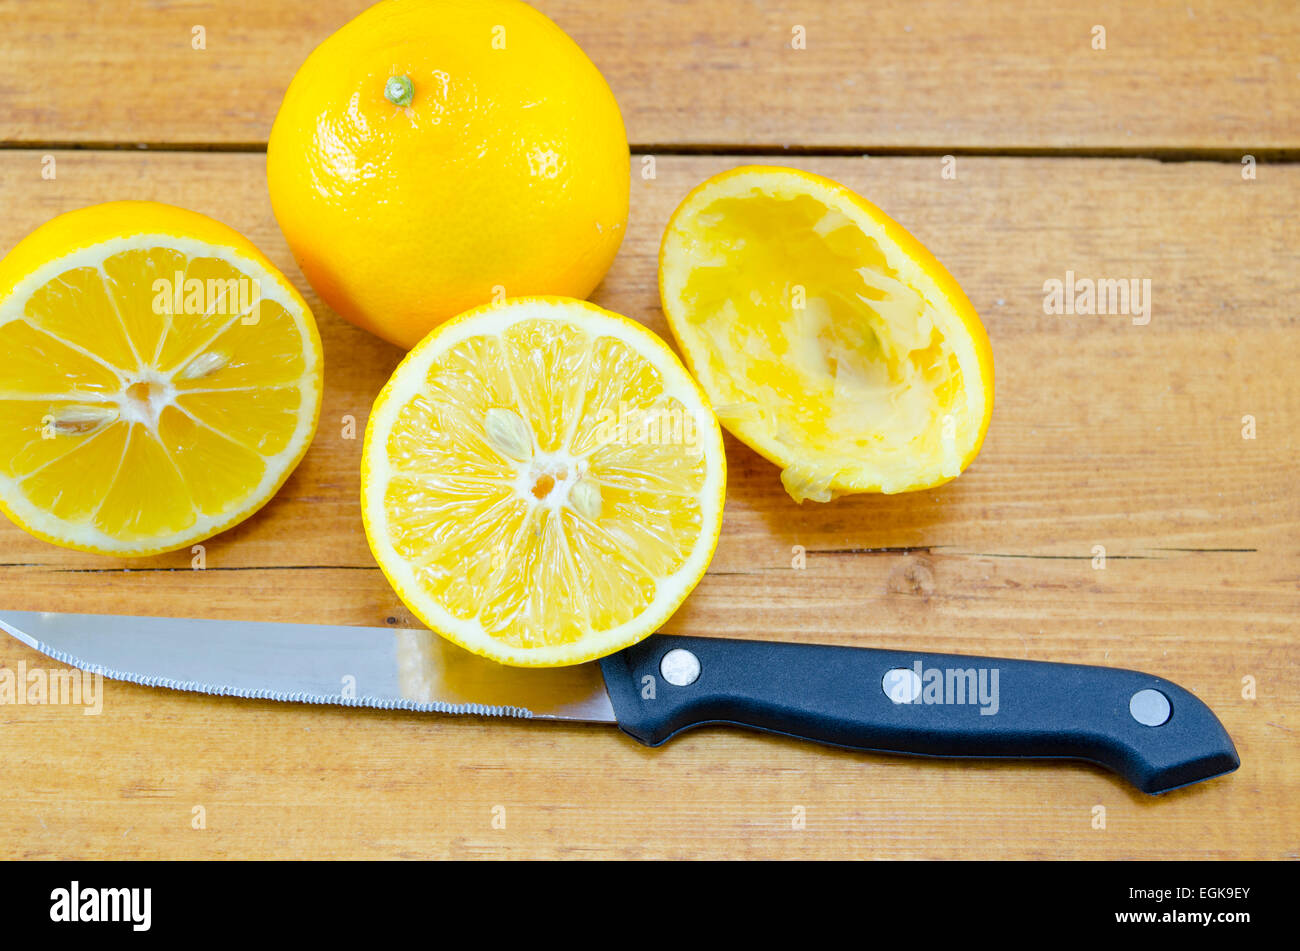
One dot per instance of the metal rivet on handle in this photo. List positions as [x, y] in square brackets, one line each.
[901, 685]
[1149, 707]
[680, 667]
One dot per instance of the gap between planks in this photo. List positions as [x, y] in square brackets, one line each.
[901, 550]
[1277, 156]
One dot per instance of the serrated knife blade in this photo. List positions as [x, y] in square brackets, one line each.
[377, 667]
[1151, 731]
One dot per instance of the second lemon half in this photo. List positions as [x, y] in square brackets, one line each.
[159, 379]
[542, 481]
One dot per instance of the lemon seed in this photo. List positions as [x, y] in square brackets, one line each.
[508, 434]
[203, 364]
[586, 500]
[79, 420]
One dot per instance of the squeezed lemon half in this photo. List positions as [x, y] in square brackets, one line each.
[827, 337]
[159, 379]
[542, 481]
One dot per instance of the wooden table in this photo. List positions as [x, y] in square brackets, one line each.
[1122, 162]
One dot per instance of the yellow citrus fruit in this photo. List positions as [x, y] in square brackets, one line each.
[159, 379]
[828, 339]
[542, 481]
[435, 155]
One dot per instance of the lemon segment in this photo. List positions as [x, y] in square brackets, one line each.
[827, 338]
[542, 481]
[160, 379]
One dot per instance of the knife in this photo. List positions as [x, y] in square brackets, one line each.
[1150, 731]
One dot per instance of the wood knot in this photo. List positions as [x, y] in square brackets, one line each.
[913, 578]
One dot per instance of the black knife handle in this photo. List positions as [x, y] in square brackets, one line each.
[837, 695]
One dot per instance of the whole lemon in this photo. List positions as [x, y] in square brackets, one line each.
[435, 155]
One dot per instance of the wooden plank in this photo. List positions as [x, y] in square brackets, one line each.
[1105, 433]
[1005, 74]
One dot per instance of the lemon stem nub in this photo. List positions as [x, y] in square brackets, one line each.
[399, 91]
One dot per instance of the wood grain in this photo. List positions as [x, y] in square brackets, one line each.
[1105, 433]
[901, 74]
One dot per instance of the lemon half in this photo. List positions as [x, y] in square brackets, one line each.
[542, 481]
[827, 337]
[159, 379]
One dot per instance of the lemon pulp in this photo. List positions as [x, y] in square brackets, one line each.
[543, 483]
[135, 418]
